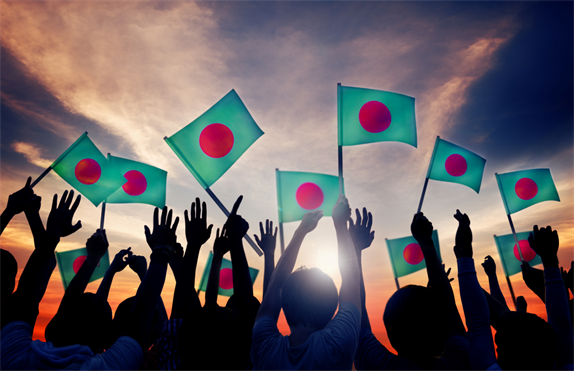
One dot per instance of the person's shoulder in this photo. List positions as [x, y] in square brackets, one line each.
[124, 354]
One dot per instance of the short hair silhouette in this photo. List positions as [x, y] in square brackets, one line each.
[85, 319]
[525, 342]
[416, 322]
[9, 270]
[310, 297]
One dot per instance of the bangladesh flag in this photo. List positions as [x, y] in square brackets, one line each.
[299, 192]
[145, 183]
[212, 143]
[225, 276]
[85, 168]
[407, 256]
[522, 189]
[451, 163]
[70, 262]
[367, 116]
[509, 255]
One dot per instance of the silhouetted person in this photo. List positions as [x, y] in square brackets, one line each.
[309, 300]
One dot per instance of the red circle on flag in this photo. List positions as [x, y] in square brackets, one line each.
[88, 171]
[526, 188]
[216, 140]
[527, 253]
[375, 117]
[78, 263]
[226, 278]
[413, 254]
[455, 165]
[309, 196]
[136, 184]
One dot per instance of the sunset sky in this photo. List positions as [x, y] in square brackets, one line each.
[493, 77]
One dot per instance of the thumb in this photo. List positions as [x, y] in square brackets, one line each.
[147, 232]
[76, 226]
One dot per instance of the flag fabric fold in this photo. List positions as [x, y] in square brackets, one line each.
[301, 192]
[508, 252]
[455, 164]
[367, 116]
[85, 168]
[144, 184]
[70, 262]
[213, 142]
[225, 276]
[522, 189]
[406, 255]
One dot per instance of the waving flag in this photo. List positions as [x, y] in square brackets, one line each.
[212, 143]
[299, 193]
[85, 168]
[522, 189]
[367, 116]
[145, 184]
[407, 256]
[510, 256]
[70, 262]
[451, 163]
[225, 276]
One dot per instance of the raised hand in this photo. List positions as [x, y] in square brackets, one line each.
[534, 279]
[236, 227]
[163, 235]
[121, 260]
[196, 230]
[221, 244]
[341, 211]
[60, 218]
[176, 259]
[521, 304]
[268, 240]
[421, 228]
[310, 221]
[97, 245]
[489, 266]
[20, 200]
[463, 240]
[138, 264]
[361, 230]
[545, 243]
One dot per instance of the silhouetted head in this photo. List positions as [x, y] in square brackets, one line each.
[525, 342]
[309, 297]
[9, 270]
[83, 319]
[415, 323]
[121, 322]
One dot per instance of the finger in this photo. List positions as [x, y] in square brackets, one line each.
[163, 215]
[370, 221]
[69, 199]
[275, 234]
[351, 224]
[28, 182]
[450, 280]
[193, 210]
[55, 202]
[63, 199]
[186, 216]
[358, 216]
[175, 223]
[261, 229]
[270, 226]
[76, 226]
[169, 216]
[257, 239]
[146, 231]
[372, 236]
[267, 230]
[217, 233]
[155, 218]
[209, 230]
[535, 229]
[197, 208]
[76, 204]
[448, 271]
[104, 236]
[203, 210]
[365, 217]
[236, 205]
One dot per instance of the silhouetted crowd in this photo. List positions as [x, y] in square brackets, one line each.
[330, 327]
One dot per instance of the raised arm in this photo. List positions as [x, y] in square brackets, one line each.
[421, 229]
[490, 269]
[220, 248]
[267, 243]
[476, 311]
[197, 232]
[545, 243]
[118, 265]
[534, 279]
[17, 202]
[362, 238]
[271, 305]
[236, 228]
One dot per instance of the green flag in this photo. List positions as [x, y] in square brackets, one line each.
[406, 254]
[509, 255]
[451, 163]
[212, 143]
[225, 276]
[145, 183]
[299, 192]
[522, 189]
[367, 116]
[85, 168]
[70, 262]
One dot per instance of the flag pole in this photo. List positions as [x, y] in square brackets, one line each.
[340, 137]
[41, 176]
[279, 210]
[392, 263]
[515, 237]
[428, 175]
[423, 195]
[511, 291]
[103, 215]
[226, 212]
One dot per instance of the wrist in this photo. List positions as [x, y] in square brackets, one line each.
[93, 260]
[339, 224]
[49, 241]
[550, 261]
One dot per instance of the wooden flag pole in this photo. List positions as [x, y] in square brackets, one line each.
[515, 237]
[103, 215]
[511, 291]
[428, 175]
[41, 176]
[423, 195]
[226, 212]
